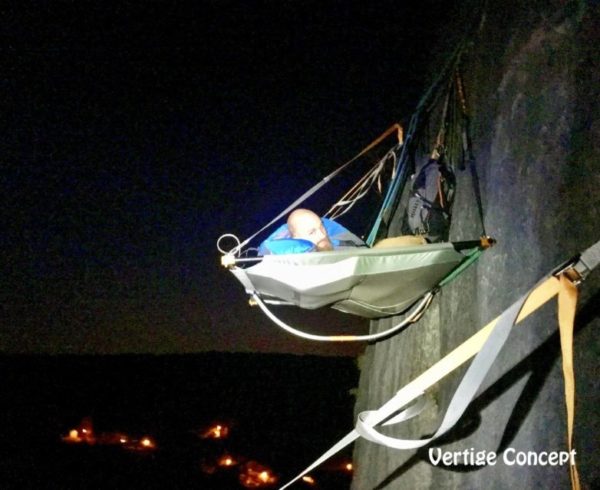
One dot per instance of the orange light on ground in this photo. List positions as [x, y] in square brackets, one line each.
[73, 436]
[86, 429]
[83, 433]
[308, 479]
[147, 443]
[80, 436]
[226, 460]
[216, 432]
[254, 475]
[143, 444]
[112, 439]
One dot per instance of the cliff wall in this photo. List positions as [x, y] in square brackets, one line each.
[532, 79]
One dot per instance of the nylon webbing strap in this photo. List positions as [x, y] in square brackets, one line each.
[588, 260]
[567, 303]
[465, 264]
[464, 394]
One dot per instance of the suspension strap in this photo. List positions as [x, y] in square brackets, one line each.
[441, 136]
[467, 145]
[465, 264]
[567, 303]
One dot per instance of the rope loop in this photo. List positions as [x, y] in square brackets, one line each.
[235, 250]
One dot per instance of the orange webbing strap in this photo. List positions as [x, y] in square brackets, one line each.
[440, 193]
[567, 303]
[460, 88]
[441, 136]
[394, 127]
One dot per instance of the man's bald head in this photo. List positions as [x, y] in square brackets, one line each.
[304, 224]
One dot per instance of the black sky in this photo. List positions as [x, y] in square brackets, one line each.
[135, 133]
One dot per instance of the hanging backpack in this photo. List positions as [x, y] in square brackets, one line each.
[430, 201]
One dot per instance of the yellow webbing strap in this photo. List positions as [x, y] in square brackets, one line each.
[567, 303]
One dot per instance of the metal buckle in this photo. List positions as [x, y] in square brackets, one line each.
[569, 269]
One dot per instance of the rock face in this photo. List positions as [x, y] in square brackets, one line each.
[532, 80]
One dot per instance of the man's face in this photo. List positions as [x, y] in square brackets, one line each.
[311, 228]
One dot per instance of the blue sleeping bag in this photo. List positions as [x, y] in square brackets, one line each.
[281, 242]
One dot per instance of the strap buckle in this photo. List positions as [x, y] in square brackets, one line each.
[573, 269]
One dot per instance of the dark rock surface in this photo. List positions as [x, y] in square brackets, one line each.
[532, 80]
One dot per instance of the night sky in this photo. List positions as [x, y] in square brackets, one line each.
[136, 133]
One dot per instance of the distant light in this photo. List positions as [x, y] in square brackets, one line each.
[348, 467]
[308, 479]
[253, 475]
[73, 436]
[226, 460]
[123, 440]
[146, 442]
[216, 432]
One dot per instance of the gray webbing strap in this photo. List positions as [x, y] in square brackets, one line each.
[466, 391]
[588, 260]
[411, 411]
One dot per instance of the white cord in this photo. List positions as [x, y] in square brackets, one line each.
[234, 250]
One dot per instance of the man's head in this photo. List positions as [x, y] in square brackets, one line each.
[304, 224]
